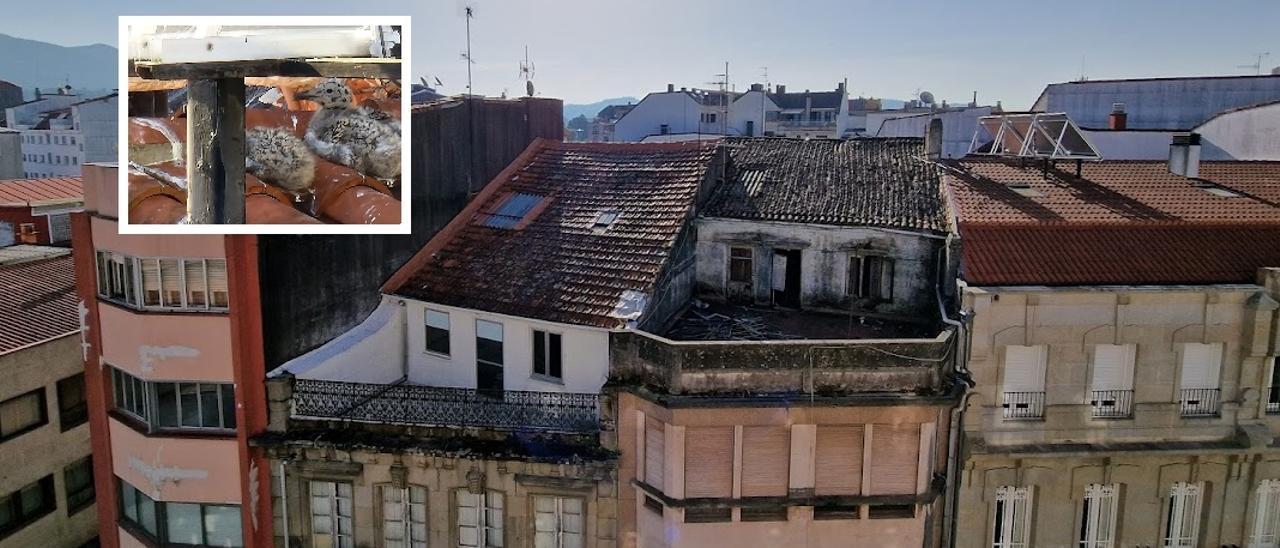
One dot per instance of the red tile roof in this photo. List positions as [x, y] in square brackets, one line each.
[1121, 223]
[29, 192]
[38, 302]
[554, 264]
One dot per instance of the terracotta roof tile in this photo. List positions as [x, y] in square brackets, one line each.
[28, 192]
[859, 182]
[555, 264]
[38, 302]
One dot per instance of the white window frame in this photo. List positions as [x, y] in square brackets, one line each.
[404, 517]
[1012, 515]
[1266, 515]
[330, 502]
[1098, 515]
[1182, 515]
[556, 536]
[545, 335]
[488, 534]
[448, 329]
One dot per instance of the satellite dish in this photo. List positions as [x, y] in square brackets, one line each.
[926, 98]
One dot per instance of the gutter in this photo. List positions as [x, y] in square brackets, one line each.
[951, 491]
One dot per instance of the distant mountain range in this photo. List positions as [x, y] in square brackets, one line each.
[591, 109]
[32, 64]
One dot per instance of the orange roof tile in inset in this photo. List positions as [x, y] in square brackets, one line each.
[32, 192]
[569, 233]
[38, 302]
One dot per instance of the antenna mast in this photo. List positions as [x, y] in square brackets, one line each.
[467, 56]
[1257, 65]
[526, 72]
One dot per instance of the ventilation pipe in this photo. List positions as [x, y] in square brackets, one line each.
[1184, 155]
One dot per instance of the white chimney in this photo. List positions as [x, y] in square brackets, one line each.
[1184, 155]
[933, 139]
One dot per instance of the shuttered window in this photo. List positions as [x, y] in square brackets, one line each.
[1182, 515]
[895, 451]
[1266, 515]
[1011, 527]
[655, 451]
[1201, 365]
[558, 522]
[1098, 516]
[480, 517]
[766, 458]
[150, 282]
[218, 296]
[1024, 368]
[331, 514]
[171, 282]
[1113, 366]
[708, 462]
[404, 516]
[195, 283]
[838, 460]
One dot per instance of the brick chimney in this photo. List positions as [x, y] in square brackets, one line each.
[1117, 119]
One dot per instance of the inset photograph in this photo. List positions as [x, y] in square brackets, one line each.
[263, 125]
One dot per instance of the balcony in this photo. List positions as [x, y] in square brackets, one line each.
[1199, 402]
[431, 406]
[1273, 400]
[1112, 404]
[1023, 405]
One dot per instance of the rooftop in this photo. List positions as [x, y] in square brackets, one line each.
[709, 321]
[22, 253]
[570, 232]
[38, 302]
[815, 99]
[875, 182]
[34, 192]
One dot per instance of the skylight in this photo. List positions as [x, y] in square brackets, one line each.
[512, 210]
[606, 218]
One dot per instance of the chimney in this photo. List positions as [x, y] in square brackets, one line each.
[781, 89]
[1184, 155]
[671, 88]
[757, 87]
[1118, 119]
[933, 139]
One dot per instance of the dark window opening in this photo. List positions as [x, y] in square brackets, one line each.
[764, 514]
[73, 410]
[77, 481]
[707, 515]
[836, 511]
[891, 511]
[437, 326]
[653, 505]
[26, 505]
[22, 414]
[546, 354]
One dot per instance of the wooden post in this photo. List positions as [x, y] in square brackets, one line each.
[215, 151]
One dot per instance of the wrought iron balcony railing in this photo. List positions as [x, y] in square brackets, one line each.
[418, 405]
[1023, 405]
[1199, 402]
[1273, 399]
[1112, 404]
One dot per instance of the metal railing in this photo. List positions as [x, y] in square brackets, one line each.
[1199, 402]
[1273, 399]
[1023, 405]
[1112, 404]
[418, 405]
[807, 123]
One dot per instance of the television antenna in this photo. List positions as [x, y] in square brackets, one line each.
[469, 13]
[722, 82]
[1257, 64]
[526, 72]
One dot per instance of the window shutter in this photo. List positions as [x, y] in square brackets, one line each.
[655, 452]
[150, 282]
[1113, 367]
[838, 460]
[1024, 368]
[895, 457]
[218, 282]
[1201, 364]
[708, 461]
[766, 460]
[196, 295]
[171, 278]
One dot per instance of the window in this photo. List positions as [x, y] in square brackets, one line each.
[489, 342]
[73, 410]
[891, 511]
[870, 276]
[664, 129]
[1273, 394]
[1182, 516]
[546, 354]
[558, 522]
[1098, 516]
[21, 414]
[331, 514]
[1266, 515]
[175, 405]
[171, 286]
[1012, 524]
[115, 277]
[510, 211]
[653, 505]
[479, 518]
[1200, 369]
[605, 219]
[181, 523]
[740, 265]
[77, 480]
[194, 284]
[437, 332]
[768, 513]
[1112, 382]
[836, 511]
[1023, 388]
[21, 507]
[404, 516]
[217, 270]
[707, 515]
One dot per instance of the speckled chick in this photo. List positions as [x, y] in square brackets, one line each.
[279, 157]
[344, 134]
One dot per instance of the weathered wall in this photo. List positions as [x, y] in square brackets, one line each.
[1172, 103]
[957, 128]
[317, 287]
[1247, 134]
[10, 155]
[677, 110]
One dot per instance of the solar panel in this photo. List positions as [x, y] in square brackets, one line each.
[1040, 135]
[511, 211]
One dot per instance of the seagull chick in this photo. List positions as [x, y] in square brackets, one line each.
[277, 156]
[344, 134]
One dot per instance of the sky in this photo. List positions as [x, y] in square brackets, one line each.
[587, 50]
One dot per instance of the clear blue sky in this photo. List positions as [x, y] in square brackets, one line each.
[585, 50]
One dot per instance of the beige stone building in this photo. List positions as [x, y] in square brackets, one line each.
[46, 486]
[1123, 341]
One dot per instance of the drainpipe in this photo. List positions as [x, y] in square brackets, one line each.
[952, 491]
[284, 503]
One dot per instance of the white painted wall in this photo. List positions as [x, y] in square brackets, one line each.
[584, 359]
[676, 109]
[372, 352]
[1130, 144]
[52, 152]
[28, 114]
[97, 122]
[1248, 134]
[957, 128]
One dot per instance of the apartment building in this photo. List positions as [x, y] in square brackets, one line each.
[753, 113]
[47, 489]
[1123, 328]
[60, 132]
[467, 409]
